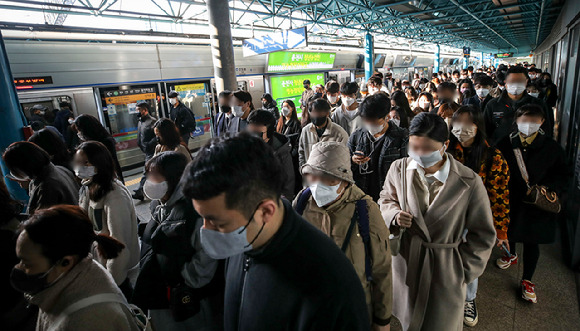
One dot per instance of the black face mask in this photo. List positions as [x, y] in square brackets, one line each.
[306, 86]
[318, 121]
[30, 284]
[139, 115]
[225, 109]
[158, 140]
[318, 95]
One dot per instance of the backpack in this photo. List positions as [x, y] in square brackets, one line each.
[139, 317]
[360, 216]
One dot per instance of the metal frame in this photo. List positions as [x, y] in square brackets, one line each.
[482, 25]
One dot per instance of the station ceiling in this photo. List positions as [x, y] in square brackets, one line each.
[484, 25]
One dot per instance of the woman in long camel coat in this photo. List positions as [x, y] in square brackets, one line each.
[448, 229]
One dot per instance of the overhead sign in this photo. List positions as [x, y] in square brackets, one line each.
[299, 61]
[291, 87]
[466, 51]
[29, 82]
[503, 55]
[129, 99]
[276, 41]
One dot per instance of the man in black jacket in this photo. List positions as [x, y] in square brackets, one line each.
[146, 141]
[281, 273]
[376, 145]
[499, 112]
[182, 116]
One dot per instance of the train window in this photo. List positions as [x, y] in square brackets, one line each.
[43, 110]
[197, 97]
[119, 105]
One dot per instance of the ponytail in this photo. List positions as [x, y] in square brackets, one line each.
[108, 247]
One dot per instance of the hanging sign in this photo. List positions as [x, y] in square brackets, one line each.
[275, 41]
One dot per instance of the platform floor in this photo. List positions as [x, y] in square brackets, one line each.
[499, 301]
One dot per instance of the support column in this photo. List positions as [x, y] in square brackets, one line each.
[437, 59]
[222, 48]
[465, 62]
[369, 51]
[12, 118]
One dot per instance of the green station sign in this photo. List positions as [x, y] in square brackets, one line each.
[291, 87]
[299, 61]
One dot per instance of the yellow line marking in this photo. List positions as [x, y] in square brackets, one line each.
[133, 181]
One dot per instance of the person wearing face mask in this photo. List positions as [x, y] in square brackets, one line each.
[533, 90]
[306, 95]
[269, 248]
[467, 144]
[467, 94]
[483, 85]
[242, 106]
[398, 117]
[446, 92]
[399, 99]
[47, 184]
[500, 76]
[261, 123]
[455, 76]
[374, 85]
[269, 104]
[464, 74]
[146, 140]
[168, 139]
[347, 115]
[424, 102]
[110, 208]
[58, 275]
[375, 146]
[37, 113]
[224, 116]
[333, 95]
[499, 113]
[61, 119]
[321, 128]
[89, 128]
[331, 203]
[448, 234]
[549, 90]
[182, 116]
[173, 257]
[545, 165]
[289, 125]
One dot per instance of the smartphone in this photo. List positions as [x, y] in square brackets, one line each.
[361, 154]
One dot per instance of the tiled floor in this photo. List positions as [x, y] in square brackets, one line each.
[499, 302]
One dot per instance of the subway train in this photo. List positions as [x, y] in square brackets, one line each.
[108, 79]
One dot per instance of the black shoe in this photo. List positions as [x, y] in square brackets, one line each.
[470, 317]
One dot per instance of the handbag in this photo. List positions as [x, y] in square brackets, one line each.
[537, 195]
[184, 302]
[395, 241]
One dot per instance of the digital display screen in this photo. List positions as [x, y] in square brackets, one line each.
[291, 87]
[503, 55]
[29, 82]
[299, 61]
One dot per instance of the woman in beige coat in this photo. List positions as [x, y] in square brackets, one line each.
[168, 138]
[440, 212]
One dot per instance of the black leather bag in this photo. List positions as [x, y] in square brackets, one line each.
[184, 302]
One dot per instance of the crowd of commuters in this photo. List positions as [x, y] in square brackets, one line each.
[360, 203]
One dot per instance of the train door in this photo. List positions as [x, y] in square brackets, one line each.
[197, 96]
[48, 106]
[119, 115]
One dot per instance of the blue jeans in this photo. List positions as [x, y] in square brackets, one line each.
[471, 292]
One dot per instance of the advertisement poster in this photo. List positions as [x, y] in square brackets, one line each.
[299, 61]
[291, 87]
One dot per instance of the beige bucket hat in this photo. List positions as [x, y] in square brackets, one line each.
[331, 158]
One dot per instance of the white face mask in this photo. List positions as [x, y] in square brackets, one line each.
[422, 104]
[238, 111]
[21, 179]
[374, 129]
[464, 132]
[373, 90]
[501, 87]
[427, 160]
[515, 89]
[155, 191]
[348, 101]
[286, 111]
[396, 121]
[532, 76]
[421, 86]
[528, 129]
[324, 194]
[85, 172]
[173, 101]
[332, 99]
[71, 121]
[482, 92]
[534, 94]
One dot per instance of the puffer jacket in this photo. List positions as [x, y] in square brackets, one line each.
[283, 151]
[146, 136]
[334, 221]
[309, 137]
[114, 215]
[57, 185]
[85, 279]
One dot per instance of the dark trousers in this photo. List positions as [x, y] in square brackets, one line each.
[530, 258]
[127, 289]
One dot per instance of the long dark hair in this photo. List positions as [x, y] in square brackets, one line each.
[64, 230]
[168, 132]
[9, 208]
[402, 115]
[53, 145]
[470, 90]
[479, 149]
[100, 157]
[170, 165]
[91, 128]
[293, 116]
[270, 102]
[401, 101]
